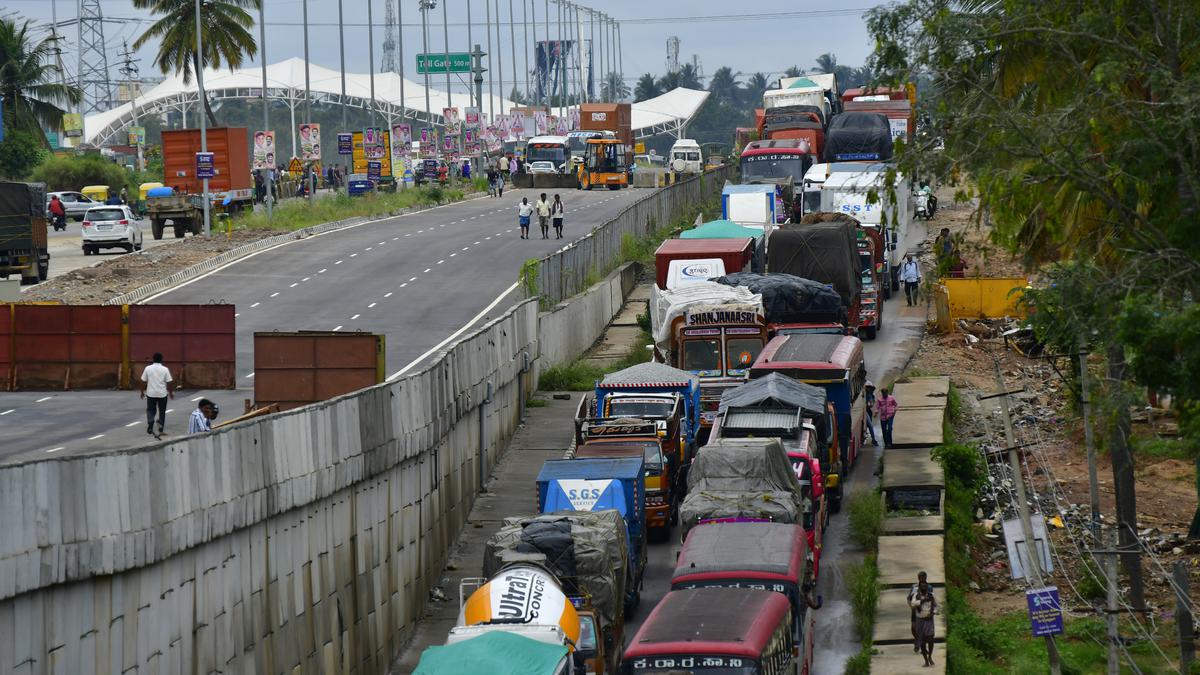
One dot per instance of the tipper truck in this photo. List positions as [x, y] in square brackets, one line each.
[230, 190]
[23, 246]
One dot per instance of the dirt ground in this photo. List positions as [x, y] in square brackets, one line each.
[122, 274]
[1054, 461]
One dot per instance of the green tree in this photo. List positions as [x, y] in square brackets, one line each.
[723, 87]
[756, 85]
[72, 173]
[614, 87]
[31, 98]
[827, 63]
[646, 88]
[227, 37]
[19, 153]
[793, 71]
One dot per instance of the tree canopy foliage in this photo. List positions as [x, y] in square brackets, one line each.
[32, 99]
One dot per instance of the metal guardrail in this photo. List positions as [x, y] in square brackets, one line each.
[565, 273]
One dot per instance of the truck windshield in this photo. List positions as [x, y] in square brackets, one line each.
[759, 167]
[742, 352]
[609, 158]
[640, 407]
[702, 356]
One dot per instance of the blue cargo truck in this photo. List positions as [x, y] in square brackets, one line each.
[596, 484]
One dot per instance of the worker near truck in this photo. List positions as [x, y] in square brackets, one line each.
[887, 406]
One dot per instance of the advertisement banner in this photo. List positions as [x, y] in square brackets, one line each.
[345, 144]
[310, 141]
[378, 137]
[404, 132]
[73, 125]
[205, 165]
[137, 136]
[517, 125]
[574, 119]
[375, 144]
[374, 170]
[540, 123]
[450, 116]
[264, 149]
[471, 117]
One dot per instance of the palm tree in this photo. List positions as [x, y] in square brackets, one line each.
[755, 86]
[723, 87]
[614, 87]
[826, 63]
[27, 75]
[793, 71]
[647, 88]
[227, 38]
[668, 82]
[688, 77]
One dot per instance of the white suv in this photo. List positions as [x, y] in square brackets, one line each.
[112, 226]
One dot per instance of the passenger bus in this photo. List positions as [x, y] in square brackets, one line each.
[836, 363]
[714, 631]
[763, 556]
[556, 149]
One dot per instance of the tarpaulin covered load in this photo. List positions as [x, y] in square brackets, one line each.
[20, 204]
[585, 550]
[788, 298]
[775, 391]
[648, 373]
[493, 653]
[823, 252]
[741, 478]
[856, 136]
[666, 306]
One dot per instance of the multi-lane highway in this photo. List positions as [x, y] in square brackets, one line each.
[421, 279]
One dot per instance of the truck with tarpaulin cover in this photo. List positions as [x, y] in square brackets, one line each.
[791, 302]
[823, 252]
[587, 552]
[867, 196]
[497, 653]
[757, 556]
[711, 331]
[742, 478]
[727, 229]
[598, 484]
[24, 249]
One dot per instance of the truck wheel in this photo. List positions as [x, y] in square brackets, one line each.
[869, 332]
[156, 228]
[43, 271]
[836, 504]
[181, 229]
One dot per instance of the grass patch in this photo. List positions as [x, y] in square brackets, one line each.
[299, 213]
[860, 663]
[863, 583]
[637, 353]
[575, 376]
[534, 402]
[866, 519]
[1166, 448]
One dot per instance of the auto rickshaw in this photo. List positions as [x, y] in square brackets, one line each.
[143, 191]
[97, 193]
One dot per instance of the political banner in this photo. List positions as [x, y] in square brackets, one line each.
[450, 117]
[449, 144]
[471, 117]
[517, 125]
[540, 123]
[137, 136]
[310, 141]
[72, 125]
[560, 126]
[428, 135]
[403, 132]
[264, 149]
[574, 119]
[375, 143]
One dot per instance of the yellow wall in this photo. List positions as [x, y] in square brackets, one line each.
[985, 298]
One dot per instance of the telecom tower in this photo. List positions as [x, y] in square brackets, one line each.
[672, 54]
[390, 64]
[93, 60]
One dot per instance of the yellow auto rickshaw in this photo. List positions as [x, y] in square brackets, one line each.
[97, 193]
[143, 189]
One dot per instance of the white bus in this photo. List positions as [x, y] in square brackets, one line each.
[556, 149]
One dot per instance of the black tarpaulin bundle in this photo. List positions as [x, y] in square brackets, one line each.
[858, 136]
[788, 298]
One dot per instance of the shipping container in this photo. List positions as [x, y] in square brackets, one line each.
[736, 254]
[614, 117]
[231, 161]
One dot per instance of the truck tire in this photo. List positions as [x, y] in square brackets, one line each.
[181, 228]
[156, 228]
[197, 224]
[44, 271]
[869, 332]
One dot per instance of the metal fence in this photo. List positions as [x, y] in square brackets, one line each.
[565, 273]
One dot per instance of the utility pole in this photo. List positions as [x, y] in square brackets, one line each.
[1110, 617]
[620, 55]
[424, 6]
[371, 57]
[1184, 619]
[525, 31]
[400, 55]
[342, 55]
[1088, 441]
[203, 117]
[1123, 483]
[130, 70]
[512, 41]
[307, 85]
[487, 7]
[500, 57]
[269, 199]
[446, 44]
[1034, 569]
[549, 86]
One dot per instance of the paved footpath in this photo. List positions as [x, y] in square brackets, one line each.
[511, 492]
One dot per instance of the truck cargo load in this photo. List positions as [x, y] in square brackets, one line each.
[789, 299]
[666, 307]
[24, 248]
[495, 654]
[523, 599]
[901, 117]
[736, 254]
[728, 229]
[858, 136]
[614, 117]
[823, 252]
[741, 478]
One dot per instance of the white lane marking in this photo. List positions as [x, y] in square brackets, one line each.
[54, 449]
[353, 255]
[442, 225]
[371, 305]
[409, 234]
[414, 278]
[453, 254]
[455, 334]
[396, 238]
[475, 244]
[440, 262]
[323, 270]
[170, 410]
[426, 270]
[420, 231]
[44, 398]
[133, 424]
[197, 399]
[250, 376]
[487, 238]
[355, 317]
[389, 293]
[339, 262]
[236, 314]
[294, 285]
[92, 438]
[369, 248]
[7, 411]
[401, 286]
[337, 328]
[275, 294]
[467, 247]
[305, 279]
[500, 233]
[255, 305]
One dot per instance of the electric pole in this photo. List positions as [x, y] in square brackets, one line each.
[129, 69]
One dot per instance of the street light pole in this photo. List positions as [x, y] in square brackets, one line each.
[268, 199]
[371, 57]
[446, 63]
[424, 6]
[203, 118]
[342, 50]
[525, 31]
[307, 87]
[487, 7]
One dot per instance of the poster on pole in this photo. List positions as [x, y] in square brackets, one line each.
[449, 144]
[402, 132]
[375, 144]
[450, 117]
[573, 118]
[471, 117]
[560, 126]
[310, 141]
[1045, 611]
[264, 149]
[517, 125]
[540, 123]
[345, 143]
[205, 165]
[72, 125]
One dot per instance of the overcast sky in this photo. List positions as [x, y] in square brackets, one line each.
[768, 35]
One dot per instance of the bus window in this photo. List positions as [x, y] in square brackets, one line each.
[702, 356]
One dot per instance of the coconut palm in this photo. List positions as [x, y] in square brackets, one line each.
[756, 84]
[723, 87]
[227, 37]
[793, 71]
[826, 63]
[27, 82]
[647, 88]
[614, 87]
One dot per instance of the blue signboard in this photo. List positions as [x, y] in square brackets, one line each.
[345, 144]
[1045, 611]
[374, 170]
[205, 165]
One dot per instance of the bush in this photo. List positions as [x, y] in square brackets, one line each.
[860, 663]
[962, 464]
[19, 154]
[866, 519]
[574, 376]
[74, 173]
[864, 596]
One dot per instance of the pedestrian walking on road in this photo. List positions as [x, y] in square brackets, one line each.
[870, 389]
[910, 274]
[524, 213]
[513, 167]
[202, 417]
[886, 405]
[924, 607]
[157, 387]
[556, 212]
[543, 212]
[912, 597]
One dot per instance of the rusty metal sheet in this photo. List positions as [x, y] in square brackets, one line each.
[67, 347]
[295, 369]
[198, 343]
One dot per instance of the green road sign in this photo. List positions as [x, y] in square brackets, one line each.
[460, 62]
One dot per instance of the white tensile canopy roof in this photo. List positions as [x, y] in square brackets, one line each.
[668, 113]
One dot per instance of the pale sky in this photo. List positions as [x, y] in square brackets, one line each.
[774, 35]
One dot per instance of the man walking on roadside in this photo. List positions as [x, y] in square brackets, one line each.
[543, 212]
[524, 212]
[870, 389]
[910, 274]
[887, 415]
[157, 387]
[557, 210]
[912, 597]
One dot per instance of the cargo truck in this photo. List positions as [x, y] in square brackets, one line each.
[782, 163]
[741, 478]
[230, 190]
[735, 254]
[891, 214]
[24, 249]
[614, 117]
[824, 252]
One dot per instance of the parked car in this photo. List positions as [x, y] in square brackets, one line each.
[75, 203]
[111, 227]
[542, 167]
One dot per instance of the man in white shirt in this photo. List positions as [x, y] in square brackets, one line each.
[910, 274]
[157, 387]
[524, 213]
